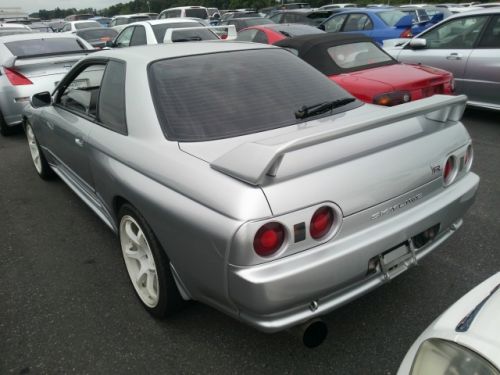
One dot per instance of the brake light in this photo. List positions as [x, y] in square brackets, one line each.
[16, 78]
[449, 172]
[269, 239]
[321, 222]
[406, 34]
[392, 98]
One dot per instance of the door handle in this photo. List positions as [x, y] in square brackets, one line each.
[79, 142]
[454, 56]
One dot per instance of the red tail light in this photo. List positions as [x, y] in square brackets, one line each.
[392, 98]
[449, 171]
[406, 34]
[321, 222]
[16, 78]
[269, 239]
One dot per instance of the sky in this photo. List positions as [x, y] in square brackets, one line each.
[30, 6]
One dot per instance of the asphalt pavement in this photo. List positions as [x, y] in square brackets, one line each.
[67, 306]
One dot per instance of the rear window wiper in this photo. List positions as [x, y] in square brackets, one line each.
[308, 111]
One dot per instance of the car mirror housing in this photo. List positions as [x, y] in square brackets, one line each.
[42, 99]
[417, 43]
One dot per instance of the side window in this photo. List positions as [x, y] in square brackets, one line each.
[80, 94]
[247, 35]
[121, 21]
[112, 23]
[123, 40]
[162, 15]
[66, 27]
[261, 37]
[491, 37]
[112, 98]
[459, 33]
[358, 22]
[277, 17]
[335, 23]
[138, 37]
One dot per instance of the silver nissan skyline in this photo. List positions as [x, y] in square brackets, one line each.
[237, 175]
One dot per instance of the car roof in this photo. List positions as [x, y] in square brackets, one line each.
[284, 26]
[17, 37]
[80, 21]
[147, 54]
[130, 15]
[171, 20]
[476, 12]
[13, 25]
[186, 7]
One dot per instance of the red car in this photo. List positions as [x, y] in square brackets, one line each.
[365, 70]
[272, 33]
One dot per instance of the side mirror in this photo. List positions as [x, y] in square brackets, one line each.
[322, 27]
[417, 43]
[42, 99]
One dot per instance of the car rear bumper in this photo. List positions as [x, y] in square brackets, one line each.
[280, 294]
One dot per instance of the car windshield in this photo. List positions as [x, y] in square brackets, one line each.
[94, 34]
[358, 55]
[228, 94]
[197, 13]
[391, 17]
[41, 46]
[204, 34]
[252, 22]
[86, 25]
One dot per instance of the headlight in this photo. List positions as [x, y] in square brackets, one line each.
[440, 357]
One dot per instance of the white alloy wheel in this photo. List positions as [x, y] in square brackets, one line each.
[139, 261]
[34, 150]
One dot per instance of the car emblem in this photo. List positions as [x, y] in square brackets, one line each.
[396, 207]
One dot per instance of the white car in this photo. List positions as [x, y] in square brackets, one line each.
[74, 26]
[120, 22]
[182, 12]
[463, 340]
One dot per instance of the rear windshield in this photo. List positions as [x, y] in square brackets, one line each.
[252, 22]
[220, 95]
[358, 55]
[93, 34]
[391, 17]
[44, 46]
[296, 30]
[203, 34]
[86, 25]
[197, 13]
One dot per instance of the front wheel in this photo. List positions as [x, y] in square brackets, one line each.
[147, 264]
[42, 167]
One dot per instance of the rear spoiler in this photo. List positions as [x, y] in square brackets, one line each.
[231, 31]
[251, 162]
[10, 62]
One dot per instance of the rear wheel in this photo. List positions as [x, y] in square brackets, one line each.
[42, 167]
[147, 264]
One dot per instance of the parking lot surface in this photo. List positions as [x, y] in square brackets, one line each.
[67, 306]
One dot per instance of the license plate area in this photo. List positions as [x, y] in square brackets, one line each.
[395, 261]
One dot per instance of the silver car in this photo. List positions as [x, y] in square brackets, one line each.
[466, 44]
[31, 63]
[274, 197]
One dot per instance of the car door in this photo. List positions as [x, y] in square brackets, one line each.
[448, 46]
[482, 72]
[69, 121]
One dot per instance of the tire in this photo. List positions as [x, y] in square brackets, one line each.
[147, 264]
[40, 163]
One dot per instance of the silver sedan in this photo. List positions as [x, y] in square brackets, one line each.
[237, 175]
[468, 45]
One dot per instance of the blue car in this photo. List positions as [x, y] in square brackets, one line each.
[377, 23]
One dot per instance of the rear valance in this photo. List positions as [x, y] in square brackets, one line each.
[251, 162]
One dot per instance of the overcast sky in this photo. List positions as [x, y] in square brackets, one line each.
[30, 6]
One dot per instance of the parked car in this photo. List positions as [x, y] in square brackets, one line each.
[182, 12]
[466, 44]
[97, 36]
[242, 23]
[378, 23]
[154, 32]
[239, 14]
[337, 6]
[120, 22]
[14, 28]
[422, 20]
[104, 21]
[74, 26]
[360, 66]
[304, 16]
[250, 203]
[31, 63]
[464, 339]
[40, 27]
[272, 33]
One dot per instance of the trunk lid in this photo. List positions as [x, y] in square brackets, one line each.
[355, 159]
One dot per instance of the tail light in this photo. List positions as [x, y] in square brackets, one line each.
[321, 222]
[450, 170]
[269, 239]
[16, 78]
[406, 34]
[392, 98]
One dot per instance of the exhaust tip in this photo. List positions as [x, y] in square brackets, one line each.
[314, 333]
